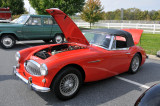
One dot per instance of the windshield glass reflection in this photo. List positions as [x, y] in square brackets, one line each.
[21, 20]
[99, 39]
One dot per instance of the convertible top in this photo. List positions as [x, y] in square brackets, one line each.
[116, 32]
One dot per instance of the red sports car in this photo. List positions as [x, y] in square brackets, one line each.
[89, 56]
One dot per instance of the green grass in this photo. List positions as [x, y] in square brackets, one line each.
[150, 42]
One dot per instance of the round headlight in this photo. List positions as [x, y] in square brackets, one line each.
[17, 56]
[43, 69]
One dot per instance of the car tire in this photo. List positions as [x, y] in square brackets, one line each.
[7, 41]
[47, 40]
[135, 64]
[67, 83]
[58, 38]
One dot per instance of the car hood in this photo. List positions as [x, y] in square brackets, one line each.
[68, 27]
[9, 24]
[136, 34]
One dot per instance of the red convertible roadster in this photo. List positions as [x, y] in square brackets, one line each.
[89, 56]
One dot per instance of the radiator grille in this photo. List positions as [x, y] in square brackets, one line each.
[32, 67]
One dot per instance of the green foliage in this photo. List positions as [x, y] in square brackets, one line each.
[70, 7]
[133, 14]
[92, 11]
[16, 6]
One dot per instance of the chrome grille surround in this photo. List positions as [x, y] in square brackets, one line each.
[32, 67]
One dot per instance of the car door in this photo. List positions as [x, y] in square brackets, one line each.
[33, 29]
[120, 56]
[47, 27]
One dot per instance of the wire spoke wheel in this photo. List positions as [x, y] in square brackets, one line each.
[69, 84]
[135, 64]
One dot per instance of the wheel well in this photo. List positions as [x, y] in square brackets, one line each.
[72, 65]
[77, 67]
[60, 34]
[10, 34]
[140, 55]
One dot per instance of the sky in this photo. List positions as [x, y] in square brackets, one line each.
[28, 7]
[111, 5]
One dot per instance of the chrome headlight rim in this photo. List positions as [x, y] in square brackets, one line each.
[43, 69]
[17, 56]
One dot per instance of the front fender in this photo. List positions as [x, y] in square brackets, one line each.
[16, 31]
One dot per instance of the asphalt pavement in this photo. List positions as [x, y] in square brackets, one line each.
[121, 90]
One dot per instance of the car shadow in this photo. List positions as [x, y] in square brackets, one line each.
[7, 77]
[103, 91]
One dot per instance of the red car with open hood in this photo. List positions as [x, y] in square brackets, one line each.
[89, 56]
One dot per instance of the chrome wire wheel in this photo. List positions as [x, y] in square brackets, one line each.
[135, 64]
[8, 42]
[58, 39]
[69, 84]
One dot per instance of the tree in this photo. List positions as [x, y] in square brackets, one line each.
[70, 7]
[16, 6]
[92, 11]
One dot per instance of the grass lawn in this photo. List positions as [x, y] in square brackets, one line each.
[150, 42]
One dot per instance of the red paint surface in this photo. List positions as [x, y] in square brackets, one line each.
[111, 62]
[68, 27]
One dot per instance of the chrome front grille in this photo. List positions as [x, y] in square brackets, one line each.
[32, 67]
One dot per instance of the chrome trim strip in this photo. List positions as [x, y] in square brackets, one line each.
[121, 48]
[32, 85]
[128, 53]
[94, 61]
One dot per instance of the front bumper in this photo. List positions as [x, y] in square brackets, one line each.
[29, 83]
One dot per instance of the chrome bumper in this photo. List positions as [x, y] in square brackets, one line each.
[29, 83]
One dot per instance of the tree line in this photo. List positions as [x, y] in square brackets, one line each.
[132, 14]
[91, 11]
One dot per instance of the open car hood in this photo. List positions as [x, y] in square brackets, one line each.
[136, 34]
[68, 27]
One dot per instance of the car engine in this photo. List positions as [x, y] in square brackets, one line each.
[45, 53]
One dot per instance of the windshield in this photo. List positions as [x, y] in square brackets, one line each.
[97, 38]
[22, 19]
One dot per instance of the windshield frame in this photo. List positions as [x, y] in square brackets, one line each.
[112, 36]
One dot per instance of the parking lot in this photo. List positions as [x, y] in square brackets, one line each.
[121, 90]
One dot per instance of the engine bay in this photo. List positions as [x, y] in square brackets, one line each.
[46, 53]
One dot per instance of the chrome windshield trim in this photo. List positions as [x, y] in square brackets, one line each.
[111, 42]
[33, 86]
[121, 48]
